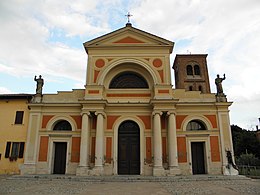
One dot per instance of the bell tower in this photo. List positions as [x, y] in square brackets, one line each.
[191, 72]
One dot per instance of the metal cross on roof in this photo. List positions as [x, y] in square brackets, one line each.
[128, 17]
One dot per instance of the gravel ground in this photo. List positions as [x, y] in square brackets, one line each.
[214, 187]
[65, 186]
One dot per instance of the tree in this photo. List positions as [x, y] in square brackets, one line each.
[245, 142]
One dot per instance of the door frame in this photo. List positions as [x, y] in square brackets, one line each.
[135, 134]
[65, 144]
[197, 160]
[141, 125]
[52, 152]
[206, 141]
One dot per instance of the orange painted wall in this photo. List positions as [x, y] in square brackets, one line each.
[45, 120]
[148, 150]
[179, 120]
[93, 91]
[100, 63]
[110, 121]
[108, 149]
[182, 150]
[78, 120]
[163, 91]
[164, 154]
[129, 40]
[146, 120]
[214, 146]
[96, 73]
[129, 95]
[161, 75]
[93, 148]
[213, 120]
[94, 123]
[75, 149]
[44, 141]
[163, 122]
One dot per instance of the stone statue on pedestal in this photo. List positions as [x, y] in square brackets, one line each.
[220, 96]
[218, 82]
[39, 85]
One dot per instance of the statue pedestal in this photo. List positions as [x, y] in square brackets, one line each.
[174, 171]
[158, 171]
[229, 170]
[37, 98]
[83, 171]
[221, 97]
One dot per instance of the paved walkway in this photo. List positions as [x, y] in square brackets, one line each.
[139, 185]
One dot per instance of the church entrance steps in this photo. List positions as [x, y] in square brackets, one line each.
[128, 178]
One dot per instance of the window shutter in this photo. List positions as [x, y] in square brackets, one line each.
[19, 117]
[21, 150]
[7, 149]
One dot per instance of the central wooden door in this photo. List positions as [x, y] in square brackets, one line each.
[60, 158]
[198, 160]
[129, 148]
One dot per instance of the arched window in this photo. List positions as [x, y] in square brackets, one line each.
[196, 125]
[197, 70]
[62, 125]
[190, 88]
[128, 80]
[189, 70]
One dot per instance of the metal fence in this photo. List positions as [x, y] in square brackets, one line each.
[249, 170]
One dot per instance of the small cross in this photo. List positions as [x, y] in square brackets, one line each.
[128, 17]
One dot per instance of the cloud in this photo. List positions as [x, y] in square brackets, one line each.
[227, 30]
[25, 46]
[4, 90]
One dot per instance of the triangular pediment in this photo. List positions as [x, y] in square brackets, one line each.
[128, 39]
[128, 36]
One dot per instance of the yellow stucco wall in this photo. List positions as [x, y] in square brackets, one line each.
[10, 132]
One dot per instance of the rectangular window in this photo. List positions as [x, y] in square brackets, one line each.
[14, 149]
[19, 117]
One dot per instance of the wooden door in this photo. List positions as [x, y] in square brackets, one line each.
[198, 159]
[128, 149]
[60, 158]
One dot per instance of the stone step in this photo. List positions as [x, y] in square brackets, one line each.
[127, 178]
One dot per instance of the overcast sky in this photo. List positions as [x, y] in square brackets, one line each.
[45, 37]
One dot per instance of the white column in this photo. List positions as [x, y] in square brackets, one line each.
[99, 153]
[157, 145]
[172, 144]
[84, 143]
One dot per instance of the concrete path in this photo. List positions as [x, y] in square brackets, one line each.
[199, 185]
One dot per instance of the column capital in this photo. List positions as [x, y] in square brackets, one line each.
[171, 112]
[100, 112]
[157, 112]
[85, 112]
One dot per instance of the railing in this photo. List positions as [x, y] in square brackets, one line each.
[249, 170]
